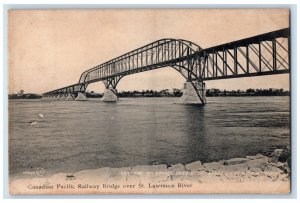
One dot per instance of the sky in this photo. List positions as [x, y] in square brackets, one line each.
[49, 49]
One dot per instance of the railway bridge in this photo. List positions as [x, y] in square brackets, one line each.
[264, 54]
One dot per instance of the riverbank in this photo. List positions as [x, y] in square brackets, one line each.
[250, 174]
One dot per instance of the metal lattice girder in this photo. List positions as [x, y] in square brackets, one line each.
[259, 55]
[68, 89]
[158, 54]
[263, 54]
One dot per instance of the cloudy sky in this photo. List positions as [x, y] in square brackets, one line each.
[49, 49]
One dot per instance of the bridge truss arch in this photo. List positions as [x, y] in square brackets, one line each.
[264, 54]
[161, 53]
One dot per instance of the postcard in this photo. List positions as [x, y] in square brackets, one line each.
[149, 101]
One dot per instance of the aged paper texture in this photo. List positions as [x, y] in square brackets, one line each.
[149, 101]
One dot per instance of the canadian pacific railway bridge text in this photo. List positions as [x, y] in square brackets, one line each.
[264, 54]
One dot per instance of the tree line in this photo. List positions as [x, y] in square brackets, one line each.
[249, 92]
[209, 93]
[172, 93]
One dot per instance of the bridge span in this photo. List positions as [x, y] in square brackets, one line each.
[264, 54]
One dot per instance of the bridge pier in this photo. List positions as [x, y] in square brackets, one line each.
[193, 93]
[110, 95]
[69, 97]
[61, 97]
[80, 97]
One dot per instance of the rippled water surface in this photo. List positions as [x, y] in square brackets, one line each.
[74, 136]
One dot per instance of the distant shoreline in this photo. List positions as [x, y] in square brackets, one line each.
[40, 97]
[25, 96]
[172, 93]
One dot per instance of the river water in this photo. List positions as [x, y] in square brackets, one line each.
[74, 136]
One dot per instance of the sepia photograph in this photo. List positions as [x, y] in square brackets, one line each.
[149, 101]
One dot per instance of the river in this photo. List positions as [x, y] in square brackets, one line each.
[74, 136]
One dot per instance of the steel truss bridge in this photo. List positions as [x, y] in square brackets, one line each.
[264, 54]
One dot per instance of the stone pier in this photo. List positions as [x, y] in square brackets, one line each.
[62, 97]
[69, 97]
[110, 95]
[190, 95]
[80, 97]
